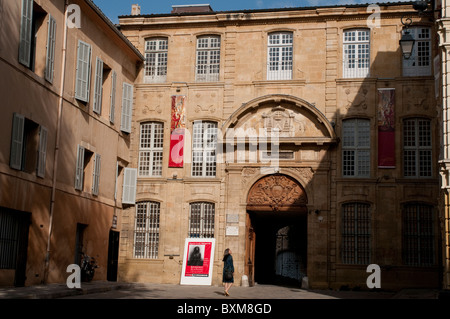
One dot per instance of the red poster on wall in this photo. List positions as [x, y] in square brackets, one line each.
[198, 261]
[198, 256]
[386, 128]
[177, 127]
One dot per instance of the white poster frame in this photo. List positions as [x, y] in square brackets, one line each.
[197, 279]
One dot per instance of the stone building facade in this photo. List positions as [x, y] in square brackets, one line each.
[66, 85]
[333, 165]
[444, 160]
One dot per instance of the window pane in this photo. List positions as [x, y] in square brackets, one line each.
[201, 220]
[146, 231]
[151, 149]
[356, 226]
[418, 235]
[356, 51]
[356, 148]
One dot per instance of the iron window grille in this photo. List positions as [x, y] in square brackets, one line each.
[201, 220]
[356, 233]
[418, 235]
[146, 230]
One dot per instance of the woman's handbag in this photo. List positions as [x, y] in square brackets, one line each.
[228, 275]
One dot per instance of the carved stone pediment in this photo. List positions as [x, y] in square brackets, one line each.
[279, 120]
[276, 192]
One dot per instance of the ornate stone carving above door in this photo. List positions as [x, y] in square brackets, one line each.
[276, 193]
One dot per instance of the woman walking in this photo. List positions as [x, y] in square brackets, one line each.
[228, 270]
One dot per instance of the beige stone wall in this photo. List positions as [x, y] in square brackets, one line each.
[317, 78]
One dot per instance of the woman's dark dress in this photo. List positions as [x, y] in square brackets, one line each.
[228, 264]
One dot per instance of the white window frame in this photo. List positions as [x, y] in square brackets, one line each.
[146, 230]
[280, 54]
[419, 63]
[151, 140]
[26, 27]
[83, 72]
[356, 53]
[356, 147]
[98, 86]
[127, 107]
[50, 56]
[417, 148]
[208, 58]
[204, 144]
[201, 220]
[156, 51]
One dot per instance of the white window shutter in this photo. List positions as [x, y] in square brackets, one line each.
[50, 58]
[97, 108]
[83, 73]
[129, 186]
[25, 32]
[17, 141]
[96, 176]
[127, 107]
[42, 151]
[79, 170]
[113, 96]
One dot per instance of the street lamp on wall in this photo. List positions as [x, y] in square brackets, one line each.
[407, 40]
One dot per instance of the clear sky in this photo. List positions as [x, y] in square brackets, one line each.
[114, 8]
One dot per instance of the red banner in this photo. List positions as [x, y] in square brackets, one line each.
[177, 127]
[386, 128]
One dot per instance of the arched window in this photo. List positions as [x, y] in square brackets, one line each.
[280, 56]
[356, 148]
[208, 58]
[418, 235]
[356, 45]
[417, 148]
[156, 60]
[151, 149]
[356, 233]
[201, 220]
[146, 230]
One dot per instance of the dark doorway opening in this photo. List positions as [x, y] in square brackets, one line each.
[113, 255]
[280, 247]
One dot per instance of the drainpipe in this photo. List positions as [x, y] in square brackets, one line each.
[56, 157]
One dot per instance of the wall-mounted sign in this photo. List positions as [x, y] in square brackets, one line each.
[198, 261]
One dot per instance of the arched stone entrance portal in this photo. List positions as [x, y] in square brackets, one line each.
[276, 230]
